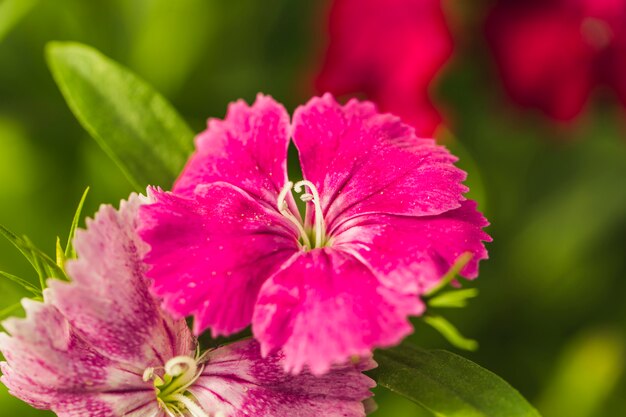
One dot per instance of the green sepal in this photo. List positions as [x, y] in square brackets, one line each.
[60, 254]
[453, 299]
[451, 274]
[450, 333]
[70, 253]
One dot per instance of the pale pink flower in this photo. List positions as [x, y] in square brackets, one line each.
[385, 220]
[100, 346]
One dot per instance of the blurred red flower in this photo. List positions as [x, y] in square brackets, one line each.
[553, 53]
[389, 50]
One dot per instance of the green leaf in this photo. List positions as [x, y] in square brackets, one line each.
[453, 299]
[11, 12]
[22, 283]
[448, 385]
[136, 126]
[69, 248]
[450, 332]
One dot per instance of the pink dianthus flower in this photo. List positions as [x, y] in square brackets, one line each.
[100, 346]
[553, 53]
[385, 219]
[390, 50]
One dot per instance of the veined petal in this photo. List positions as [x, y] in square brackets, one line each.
[50, 366]
[108, 302]
[210, 255]
[247, 149]
[411, 254]
[238, 382]
[324, 307]
[365, 162]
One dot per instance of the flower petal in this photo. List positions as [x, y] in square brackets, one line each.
[238, 382]
[247, 149]
[108, 302]
[411, 254]
[210, 255]
[324, 307]
[50, 366]
[378, 164]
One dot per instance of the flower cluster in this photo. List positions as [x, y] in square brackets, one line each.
[384, 219]
[100, 346]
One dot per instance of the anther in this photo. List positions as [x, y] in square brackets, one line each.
[314, 197]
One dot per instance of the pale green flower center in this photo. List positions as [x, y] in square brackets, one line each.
[172, 387]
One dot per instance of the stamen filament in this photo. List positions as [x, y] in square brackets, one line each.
[283, 208]
[191, 406]
[313, 197]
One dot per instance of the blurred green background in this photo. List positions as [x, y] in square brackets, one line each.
[551, 317]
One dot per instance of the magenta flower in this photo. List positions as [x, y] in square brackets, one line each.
[101, 347]
[553, 54]
[385, 219]
[390, 50]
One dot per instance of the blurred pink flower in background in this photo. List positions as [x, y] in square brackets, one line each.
[389, 50]
[553, 53]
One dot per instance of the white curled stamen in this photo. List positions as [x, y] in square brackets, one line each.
[181, 373]
[193, 408]
[283, 208]
[314, 197]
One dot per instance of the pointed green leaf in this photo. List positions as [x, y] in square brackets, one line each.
[70, 253]
[136, 126]
[453, 299]
[22, 283]
[448, 385]
[450, 332]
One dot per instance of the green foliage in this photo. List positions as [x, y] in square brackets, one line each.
[43, 265]
[450, 333]
[8, 311]
[135, 125]
[451, 274]
[69, 252]
[448, 385]
[22, 283]
[11, 12]
[585, 375]
[453, 299]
